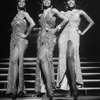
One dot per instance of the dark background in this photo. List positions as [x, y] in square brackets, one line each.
[89, 43]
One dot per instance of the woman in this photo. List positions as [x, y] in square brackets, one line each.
[69, 47]
[18, 44]
[46, 42]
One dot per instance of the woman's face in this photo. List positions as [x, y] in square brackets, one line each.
[46, 3]
[21, 3]
[71, 3]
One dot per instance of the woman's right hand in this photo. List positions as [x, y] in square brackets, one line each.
[23, 35]
[53, 30]
[79, 32]
[58, 28]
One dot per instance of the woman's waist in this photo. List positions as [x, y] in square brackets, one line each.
[19, 29]
[18, 32]
[17, 35]
[47, 36]
[22, 41]
[73, 25]
[69, 34]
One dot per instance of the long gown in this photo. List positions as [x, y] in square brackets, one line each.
[19, 25]
[45, 39]
[70, 32]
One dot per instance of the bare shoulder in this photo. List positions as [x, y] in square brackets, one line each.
[81, 11]
[26, 13]
[62, 12]
[55, 10]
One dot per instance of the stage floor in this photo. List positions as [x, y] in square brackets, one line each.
[55, 98]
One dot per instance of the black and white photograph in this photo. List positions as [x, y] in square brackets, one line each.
[49, 50]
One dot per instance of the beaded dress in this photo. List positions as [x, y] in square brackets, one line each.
[70, 32]
[46, 39]
[19, 26]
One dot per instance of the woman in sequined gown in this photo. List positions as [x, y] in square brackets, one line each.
[46, 42]
[69, 42]
[18, 44]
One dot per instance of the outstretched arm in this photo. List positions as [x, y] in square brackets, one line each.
[31, 22]
[60, 16]
[91, 22]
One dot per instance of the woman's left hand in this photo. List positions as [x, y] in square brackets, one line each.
[79, 32]
[23, 35]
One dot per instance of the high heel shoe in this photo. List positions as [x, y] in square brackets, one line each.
[50, 93]
[13, 96]
[68, 93]
[21, 94]
[74, 91]
[36, 94]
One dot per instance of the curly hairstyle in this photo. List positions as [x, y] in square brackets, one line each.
[66, 5]
[42, 6]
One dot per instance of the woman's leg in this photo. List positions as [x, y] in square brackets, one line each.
[62, 60]
[13, 71]
[45, 67]
[22, 47]
[71, 66]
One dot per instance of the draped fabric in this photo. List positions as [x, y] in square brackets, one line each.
[19, 26]
[46, 39]
[70, 32]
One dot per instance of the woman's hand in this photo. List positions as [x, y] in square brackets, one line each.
[79, 32]
[58, 28]
[23, 35]
[52, 30]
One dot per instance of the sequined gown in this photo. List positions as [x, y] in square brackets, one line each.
[19, 25]
[70, 32]
[45, 39]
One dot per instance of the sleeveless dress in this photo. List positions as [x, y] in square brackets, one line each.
[70, 32]
[19, 25]
[47, 39]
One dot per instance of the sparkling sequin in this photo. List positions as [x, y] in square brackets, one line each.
[47, 39]
[19, 25]
[70, 32]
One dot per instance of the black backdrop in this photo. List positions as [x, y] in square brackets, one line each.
[89, 43]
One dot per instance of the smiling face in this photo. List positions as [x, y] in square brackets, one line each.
[21, 3]
[71, 3]
[47, 3]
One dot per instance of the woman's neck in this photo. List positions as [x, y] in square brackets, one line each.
[71, 8]
[20, 10]
[48, 8]
[45, 8]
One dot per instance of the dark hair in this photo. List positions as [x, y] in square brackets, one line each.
[68, 8]
[74, 0]
[44, 7]
[26, 1]
[43, 0]
[22, 8]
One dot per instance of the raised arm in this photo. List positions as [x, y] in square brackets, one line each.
[60, 15]
[91, 22]
[31, 22]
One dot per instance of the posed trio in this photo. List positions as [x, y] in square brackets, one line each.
[69, 42]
